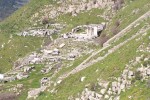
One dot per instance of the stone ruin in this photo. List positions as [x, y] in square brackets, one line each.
[38, 32]
[84, 32]
[43, 32]
[1, 77]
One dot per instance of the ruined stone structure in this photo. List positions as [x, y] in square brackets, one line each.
[43, 32]
[94, 30]
[88, 31]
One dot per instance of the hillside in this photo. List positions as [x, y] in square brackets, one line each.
[76, 50]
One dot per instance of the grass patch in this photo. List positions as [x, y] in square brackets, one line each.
[126, 15]
[138, 91]
[83, 18]
[15, 48]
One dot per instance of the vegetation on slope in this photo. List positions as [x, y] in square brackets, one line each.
[111, 66]
[18, 46]
[132, 11]
[83, 18]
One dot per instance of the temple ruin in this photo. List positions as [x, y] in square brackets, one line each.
[88, 31]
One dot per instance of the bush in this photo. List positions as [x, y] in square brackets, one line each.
[138, 75]
[45, 21]
[133, 81]
[17, 64]
[115, 30]
[103, 40]
[93, 87]
[118, 4]
[117, 23]
[116, 7]
[94, 1]
[46, 42]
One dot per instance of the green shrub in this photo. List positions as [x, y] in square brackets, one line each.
[45, 21]
[138, 75]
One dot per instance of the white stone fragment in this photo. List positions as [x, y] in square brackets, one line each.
[82, 79]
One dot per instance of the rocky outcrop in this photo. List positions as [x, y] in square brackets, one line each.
[112, 90]
[34, 93]
[71, 7]
[87, 63]
[43, 32]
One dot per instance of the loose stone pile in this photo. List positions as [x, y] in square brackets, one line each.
[43, 32]
[35, 92]
[54, 56]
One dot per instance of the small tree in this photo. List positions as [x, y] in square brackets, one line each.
[103, 40]
[115, 30]
[118, 4]
[45, 21]
[94, 1]
[138, 75]
[115, 7]
[93, 87]
[17, 64]
[117, 23]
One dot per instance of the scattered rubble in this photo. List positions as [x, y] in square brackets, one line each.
[44, 81]
[34, 93]
[43, 32]
[73, 8]
[112, 90]
[64, 49]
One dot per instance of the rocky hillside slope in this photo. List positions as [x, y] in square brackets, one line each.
[76, 50]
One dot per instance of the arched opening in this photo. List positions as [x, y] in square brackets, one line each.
[99, 33]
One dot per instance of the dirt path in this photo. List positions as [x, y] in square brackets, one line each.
[83, 65]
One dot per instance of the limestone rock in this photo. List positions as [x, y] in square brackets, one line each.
[82, 79]
[106, 96]
[35, 92]
[103, 91]
[148, 72]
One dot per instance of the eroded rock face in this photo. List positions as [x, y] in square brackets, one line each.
[73, 7]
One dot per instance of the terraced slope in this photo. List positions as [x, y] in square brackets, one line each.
[118, 70]
[82, 66]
